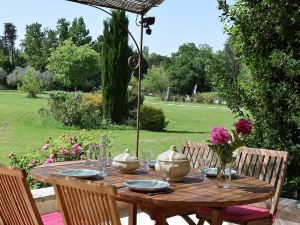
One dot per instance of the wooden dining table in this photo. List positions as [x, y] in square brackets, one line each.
[186, 196]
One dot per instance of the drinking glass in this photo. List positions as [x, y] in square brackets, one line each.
[146, 156]
[102, 157]
[204, 166]
[90, 155]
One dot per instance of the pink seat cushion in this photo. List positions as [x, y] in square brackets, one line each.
[52, 219]
[239, 213]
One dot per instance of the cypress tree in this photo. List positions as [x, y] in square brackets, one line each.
[115, 74]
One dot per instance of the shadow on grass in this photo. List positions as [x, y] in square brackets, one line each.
[185, 132]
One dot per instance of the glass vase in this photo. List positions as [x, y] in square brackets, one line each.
[223, 174]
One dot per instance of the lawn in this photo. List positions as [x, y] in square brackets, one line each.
[23, 129]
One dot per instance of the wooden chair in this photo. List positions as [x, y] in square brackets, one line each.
[17, 206]
[267, 165]
[85, 202]
[195, 151]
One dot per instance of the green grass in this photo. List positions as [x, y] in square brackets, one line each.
[23, 129]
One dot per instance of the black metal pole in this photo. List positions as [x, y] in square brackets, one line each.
[139, 89]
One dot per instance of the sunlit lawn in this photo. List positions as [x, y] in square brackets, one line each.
[23, 129]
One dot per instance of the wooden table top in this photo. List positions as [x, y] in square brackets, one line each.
[191, 191]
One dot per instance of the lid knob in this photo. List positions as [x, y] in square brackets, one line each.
[173, 148]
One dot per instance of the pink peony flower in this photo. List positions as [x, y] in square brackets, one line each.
[49, 160]
[77, 148]
[64, 152]
[243, 126]
[219, 135]
[46, 146]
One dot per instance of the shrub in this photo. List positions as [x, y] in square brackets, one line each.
[205, 97]
[30, 83]
[65, 148]
[76, 109]
[152, 118]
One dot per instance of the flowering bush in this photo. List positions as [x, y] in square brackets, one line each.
[224, 143]
[65, 148]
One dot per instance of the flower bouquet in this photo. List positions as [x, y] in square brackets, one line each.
[225, 145]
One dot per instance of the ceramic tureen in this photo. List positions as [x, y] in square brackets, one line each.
[175, 163]
[125, 162]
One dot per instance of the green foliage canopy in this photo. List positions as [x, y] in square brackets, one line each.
[73, 65]
[266, 36]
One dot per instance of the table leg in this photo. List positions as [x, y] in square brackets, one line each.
[132, 213]
[216, 219]
[160, 219]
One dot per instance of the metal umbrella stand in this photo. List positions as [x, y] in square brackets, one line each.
[139, 7]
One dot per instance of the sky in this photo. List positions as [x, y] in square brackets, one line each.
[177, 21]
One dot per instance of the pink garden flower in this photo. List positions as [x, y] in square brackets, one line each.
[46, 146]
[64, 152]
[243, 126]
[219, 135]
[50, 160]
[77, 148]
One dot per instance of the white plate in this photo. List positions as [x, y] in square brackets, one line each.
[79, 173]
[146, 185]
[212, 172]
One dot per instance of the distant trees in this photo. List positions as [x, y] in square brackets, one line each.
[73, 66]
[78, 32]
[115, 74]
[8, 40]
[33, 46]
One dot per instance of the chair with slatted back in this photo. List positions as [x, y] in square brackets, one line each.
[266, 165]
[195, 151]
[86, 202]
[17, 206]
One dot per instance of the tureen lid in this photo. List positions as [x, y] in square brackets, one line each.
[125, 157]
[172, 155]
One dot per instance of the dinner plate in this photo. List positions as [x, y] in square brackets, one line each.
[152, 163]
[79, 173]
[146, 185]
[212, 172]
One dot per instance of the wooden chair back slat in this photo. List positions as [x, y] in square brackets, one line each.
[195, 151]
[17, 206]
[86, 202]
[267, 165]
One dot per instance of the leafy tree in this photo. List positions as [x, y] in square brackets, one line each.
[224, 72]
[14, 78]
[62, 29]
[156, 80]
[187, 68]
[73, 65]
[79, 33]
[50, 42]
[3, 58]
[8, 40]
[265, 34]
[115, 74]
[33, 46]
[155, 59]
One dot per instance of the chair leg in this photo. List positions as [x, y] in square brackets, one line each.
[188, 219]
[201, 221]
